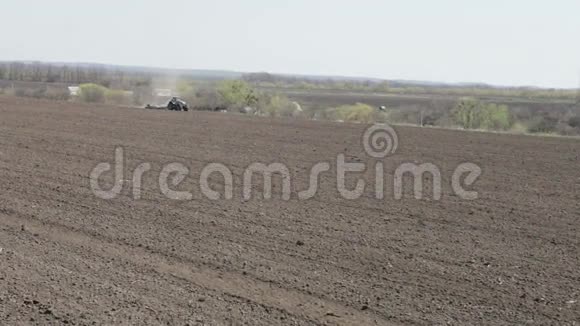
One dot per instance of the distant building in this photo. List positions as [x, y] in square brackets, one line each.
[74, 90]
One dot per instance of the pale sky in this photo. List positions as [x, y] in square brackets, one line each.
[503, 42]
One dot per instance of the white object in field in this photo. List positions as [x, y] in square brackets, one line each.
[383, 108]
[297, 106]
[74, 90]
[248, 110]
[162, 92]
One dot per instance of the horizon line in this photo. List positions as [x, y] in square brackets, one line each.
[434, 83]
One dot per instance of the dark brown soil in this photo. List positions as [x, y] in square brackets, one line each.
[510, 257]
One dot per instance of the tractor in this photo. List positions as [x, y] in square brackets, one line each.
[175, 104]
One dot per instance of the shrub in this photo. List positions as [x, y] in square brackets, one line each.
[433, 118]
[545, 125]
[574, 122]
[359, 112]
[465, 113]
[470, 113]
[92, 93]
[495, 117]
[237, 93]
[519, 128]
[280, 106]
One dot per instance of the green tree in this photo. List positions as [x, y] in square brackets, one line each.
[279, 105]
[470, 113]
[494, 117]
[237, 93]
[465, 113]
[92, 93]
[358, 112]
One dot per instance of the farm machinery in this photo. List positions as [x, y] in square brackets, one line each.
[175, 104]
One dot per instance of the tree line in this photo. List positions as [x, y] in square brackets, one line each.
[267, 80]
[73, 74]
